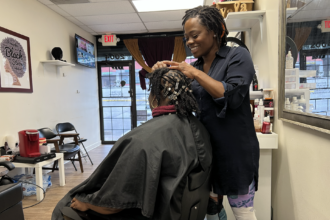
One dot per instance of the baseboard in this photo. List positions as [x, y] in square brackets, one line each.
[93, 146]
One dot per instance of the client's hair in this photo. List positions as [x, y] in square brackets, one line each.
[174, 85]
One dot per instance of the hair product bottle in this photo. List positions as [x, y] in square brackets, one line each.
[257, 121]
[287, 104]
[289, 61]
[266, 126]
[255, 83]
[294, 104]
[302, 103]
[261, 110]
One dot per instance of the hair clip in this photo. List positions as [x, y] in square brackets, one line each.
[169, 89]
[190, 90]
[165, 93]
[183, 87]
[177, 85]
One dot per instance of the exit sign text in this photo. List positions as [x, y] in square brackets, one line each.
[108, 38]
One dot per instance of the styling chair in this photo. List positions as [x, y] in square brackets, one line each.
[11, 194]
[67, 127]
[194, 200]
[69, 150]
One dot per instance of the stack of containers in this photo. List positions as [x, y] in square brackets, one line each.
[291, 78]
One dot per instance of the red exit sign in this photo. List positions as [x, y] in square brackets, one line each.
[108, 38]
[327, 24]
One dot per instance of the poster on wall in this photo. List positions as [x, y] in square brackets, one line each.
[15, 62]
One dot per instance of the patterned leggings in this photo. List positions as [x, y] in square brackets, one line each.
[241, 205]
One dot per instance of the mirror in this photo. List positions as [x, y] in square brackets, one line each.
[306, 76]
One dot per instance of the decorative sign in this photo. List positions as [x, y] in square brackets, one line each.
[109, 40]
[15, 62]
[325, 26]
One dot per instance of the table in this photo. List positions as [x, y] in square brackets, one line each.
[262, 200]
[38, 171]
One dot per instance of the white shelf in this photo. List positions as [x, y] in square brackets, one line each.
[256, 94]
[267, 141]
[241, 21]
[244, 21]
[57, 63]
[290, 11]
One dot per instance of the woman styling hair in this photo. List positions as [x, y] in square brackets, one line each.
[222, 76]
[145, 175]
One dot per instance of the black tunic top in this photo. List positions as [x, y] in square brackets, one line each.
[229, 122]
[144, 170]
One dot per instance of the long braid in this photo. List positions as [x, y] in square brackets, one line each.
[174, 85]
[210, 18]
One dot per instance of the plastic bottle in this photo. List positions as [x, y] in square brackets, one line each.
[266, 126]
[261, 110]
[287, 104]
[256, 103]
[302, 103]
[255, 86]
[257, 121]
[294, 104]
[289, 61]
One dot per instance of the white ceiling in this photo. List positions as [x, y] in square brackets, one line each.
[118, 17]
[314, 10]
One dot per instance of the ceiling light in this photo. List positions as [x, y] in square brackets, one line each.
[153, 5]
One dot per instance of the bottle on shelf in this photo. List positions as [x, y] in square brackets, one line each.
[289, 61]
[287, 104]
[266, 126]
[257, 121]
[256, 103]
[255, 83]
[294, 104]
[261, 110]
[302, 103]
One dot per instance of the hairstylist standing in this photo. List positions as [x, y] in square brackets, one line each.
[222, 76]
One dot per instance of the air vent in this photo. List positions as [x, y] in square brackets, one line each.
[61, 2]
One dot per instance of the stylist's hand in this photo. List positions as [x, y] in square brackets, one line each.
[184, 67]
[158, 65]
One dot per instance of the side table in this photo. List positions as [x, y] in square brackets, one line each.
[38, 171]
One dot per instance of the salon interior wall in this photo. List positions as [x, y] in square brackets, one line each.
[56, 98]
[300, 166]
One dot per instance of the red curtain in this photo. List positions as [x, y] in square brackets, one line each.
[153, 50]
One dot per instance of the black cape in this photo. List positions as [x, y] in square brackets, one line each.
[144, 168]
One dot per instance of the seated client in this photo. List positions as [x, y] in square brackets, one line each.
[147, 171]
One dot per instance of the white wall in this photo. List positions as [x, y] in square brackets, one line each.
[54, 98]
[301, 165]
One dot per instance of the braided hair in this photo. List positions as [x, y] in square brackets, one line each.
[211, 18]
[174, 85]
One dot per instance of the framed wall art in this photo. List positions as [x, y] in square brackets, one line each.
[15, 62]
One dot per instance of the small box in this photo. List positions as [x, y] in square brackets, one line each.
[269, 103]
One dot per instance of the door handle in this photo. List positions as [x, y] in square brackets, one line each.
[131, 93]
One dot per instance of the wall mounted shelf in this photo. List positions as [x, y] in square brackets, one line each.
[290, 11]
[57, 63]
[244, 21]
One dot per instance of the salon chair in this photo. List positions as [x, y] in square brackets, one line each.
[193, 203]
[11, 195]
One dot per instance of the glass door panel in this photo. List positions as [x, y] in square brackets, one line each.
[116, 101]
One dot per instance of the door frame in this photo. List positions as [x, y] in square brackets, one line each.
[131, 65]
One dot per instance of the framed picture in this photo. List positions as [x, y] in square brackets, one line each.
[15, 62]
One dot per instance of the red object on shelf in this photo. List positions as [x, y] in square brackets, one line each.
[265, 128]
[29, 143]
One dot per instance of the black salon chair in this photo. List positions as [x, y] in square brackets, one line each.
[11, 195]
[68, 127]
[69, 150]
[194, 201]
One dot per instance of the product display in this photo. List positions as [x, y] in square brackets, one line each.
[269, 103]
